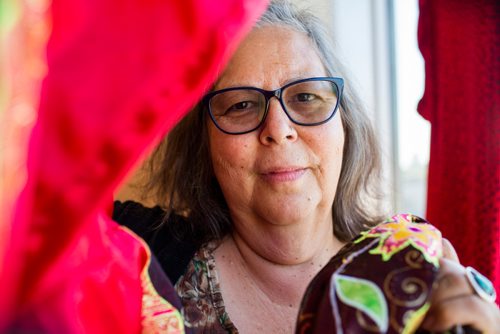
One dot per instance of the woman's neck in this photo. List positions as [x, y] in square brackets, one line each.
[283, 281]
[248, 279]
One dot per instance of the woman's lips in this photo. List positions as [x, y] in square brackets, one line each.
[284, 175]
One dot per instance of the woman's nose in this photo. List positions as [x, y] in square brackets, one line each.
[277, 127]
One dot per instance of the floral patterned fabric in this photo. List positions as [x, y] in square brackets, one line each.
[380, 282]
[200, 294]
[158, 315]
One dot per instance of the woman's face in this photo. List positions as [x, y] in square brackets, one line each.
[280, 174]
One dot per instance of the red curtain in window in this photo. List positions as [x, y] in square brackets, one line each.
[460, 42]
[120, 74]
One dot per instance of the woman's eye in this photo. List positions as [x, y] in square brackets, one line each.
[243, 106]
[305, 97]
[240, 106]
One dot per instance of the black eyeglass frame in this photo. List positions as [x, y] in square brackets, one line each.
[268, 94]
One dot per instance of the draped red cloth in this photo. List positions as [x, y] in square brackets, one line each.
[120, 74]
[460, 43]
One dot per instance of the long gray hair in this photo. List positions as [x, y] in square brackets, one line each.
[182, 177]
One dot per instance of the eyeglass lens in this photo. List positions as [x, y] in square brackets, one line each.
[307, 103]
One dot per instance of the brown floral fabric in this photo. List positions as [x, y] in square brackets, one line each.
[199, 290]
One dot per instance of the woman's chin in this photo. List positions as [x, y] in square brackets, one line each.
[288, 210]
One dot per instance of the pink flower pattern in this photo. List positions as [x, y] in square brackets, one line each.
[403, 230]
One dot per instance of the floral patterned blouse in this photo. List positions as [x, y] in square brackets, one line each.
[200, 294]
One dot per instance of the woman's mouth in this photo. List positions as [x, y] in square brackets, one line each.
[284, 174]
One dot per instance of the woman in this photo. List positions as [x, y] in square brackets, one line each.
[260, 192]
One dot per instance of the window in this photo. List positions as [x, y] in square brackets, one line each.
[377, 41]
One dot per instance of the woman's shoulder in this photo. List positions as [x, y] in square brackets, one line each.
[168, 236]
[137, 217]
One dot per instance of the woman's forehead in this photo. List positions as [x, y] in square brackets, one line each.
[271, 56]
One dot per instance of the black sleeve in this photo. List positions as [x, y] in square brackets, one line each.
[173, 248]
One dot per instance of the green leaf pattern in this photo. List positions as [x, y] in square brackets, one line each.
[365, 296]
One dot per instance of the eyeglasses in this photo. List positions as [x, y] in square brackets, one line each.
[308, 102]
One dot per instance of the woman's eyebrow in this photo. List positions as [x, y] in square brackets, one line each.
[233, 84]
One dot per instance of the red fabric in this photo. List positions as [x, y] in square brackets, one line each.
[460, 43]
[120, 74]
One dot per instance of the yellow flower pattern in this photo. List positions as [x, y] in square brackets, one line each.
[403, 230]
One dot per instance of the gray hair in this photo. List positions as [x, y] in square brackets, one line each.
[182, 175]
